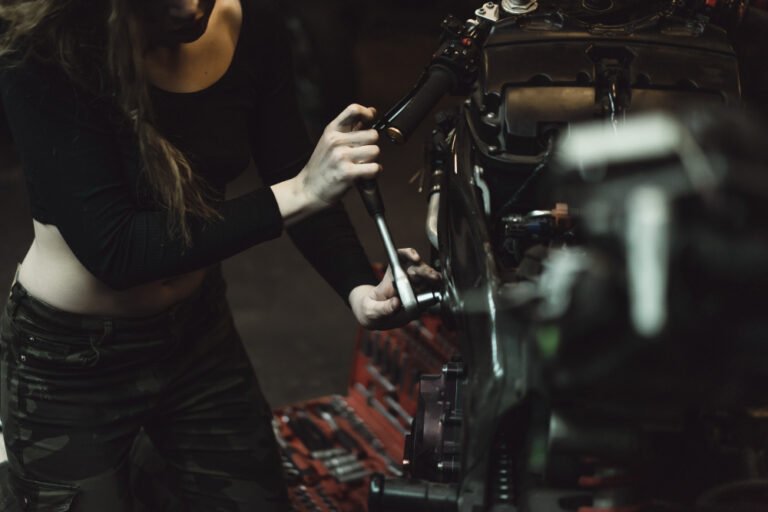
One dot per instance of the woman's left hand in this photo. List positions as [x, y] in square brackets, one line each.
[378, 307]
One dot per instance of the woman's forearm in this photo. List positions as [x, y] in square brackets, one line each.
[294, 203]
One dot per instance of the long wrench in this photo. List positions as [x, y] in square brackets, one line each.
[371, 195]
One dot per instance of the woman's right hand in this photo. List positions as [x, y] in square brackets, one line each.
[344, 154]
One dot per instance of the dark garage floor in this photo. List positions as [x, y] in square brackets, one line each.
[298, 333]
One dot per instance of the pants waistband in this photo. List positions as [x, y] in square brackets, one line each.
[210, 294]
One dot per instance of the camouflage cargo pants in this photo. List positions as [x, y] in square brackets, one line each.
[77, 390]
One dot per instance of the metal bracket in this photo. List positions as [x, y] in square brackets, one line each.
[489, 11]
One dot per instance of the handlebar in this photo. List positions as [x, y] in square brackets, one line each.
[454, 68]
[438, 81]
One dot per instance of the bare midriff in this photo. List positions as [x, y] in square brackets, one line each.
[52, 273]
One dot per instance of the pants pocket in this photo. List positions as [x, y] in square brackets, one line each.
[34, 348]
[43, 496]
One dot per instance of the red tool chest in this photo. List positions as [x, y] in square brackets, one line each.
[332, 445]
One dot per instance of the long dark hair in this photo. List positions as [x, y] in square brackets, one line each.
[100, 44]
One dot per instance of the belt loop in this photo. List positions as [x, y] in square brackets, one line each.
[16, 294]
[13, 305]
[108, 326]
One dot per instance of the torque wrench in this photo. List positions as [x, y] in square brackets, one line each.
[371, 195]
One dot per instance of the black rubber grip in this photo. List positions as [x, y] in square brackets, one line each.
[369, 191]
[439, 82]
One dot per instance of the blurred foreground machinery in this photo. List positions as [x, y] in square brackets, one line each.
[601, 344]
[605, 281]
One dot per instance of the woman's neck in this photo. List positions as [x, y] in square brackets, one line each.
[190, 67]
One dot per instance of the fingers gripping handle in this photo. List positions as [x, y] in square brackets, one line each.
[371, 196]
[399, 277]
[369, 192]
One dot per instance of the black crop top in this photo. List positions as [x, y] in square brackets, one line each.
[82, 166]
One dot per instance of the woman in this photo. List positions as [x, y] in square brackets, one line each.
[130, 117]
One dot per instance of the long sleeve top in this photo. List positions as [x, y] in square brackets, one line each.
[83, 169]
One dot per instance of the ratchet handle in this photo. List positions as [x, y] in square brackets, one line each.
[371, 196]
[369, 192]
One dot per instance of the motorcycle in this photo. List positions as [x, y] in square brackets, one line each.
[605, 279]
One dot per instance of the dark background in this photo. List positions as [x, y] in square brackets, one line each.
[299, 334]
